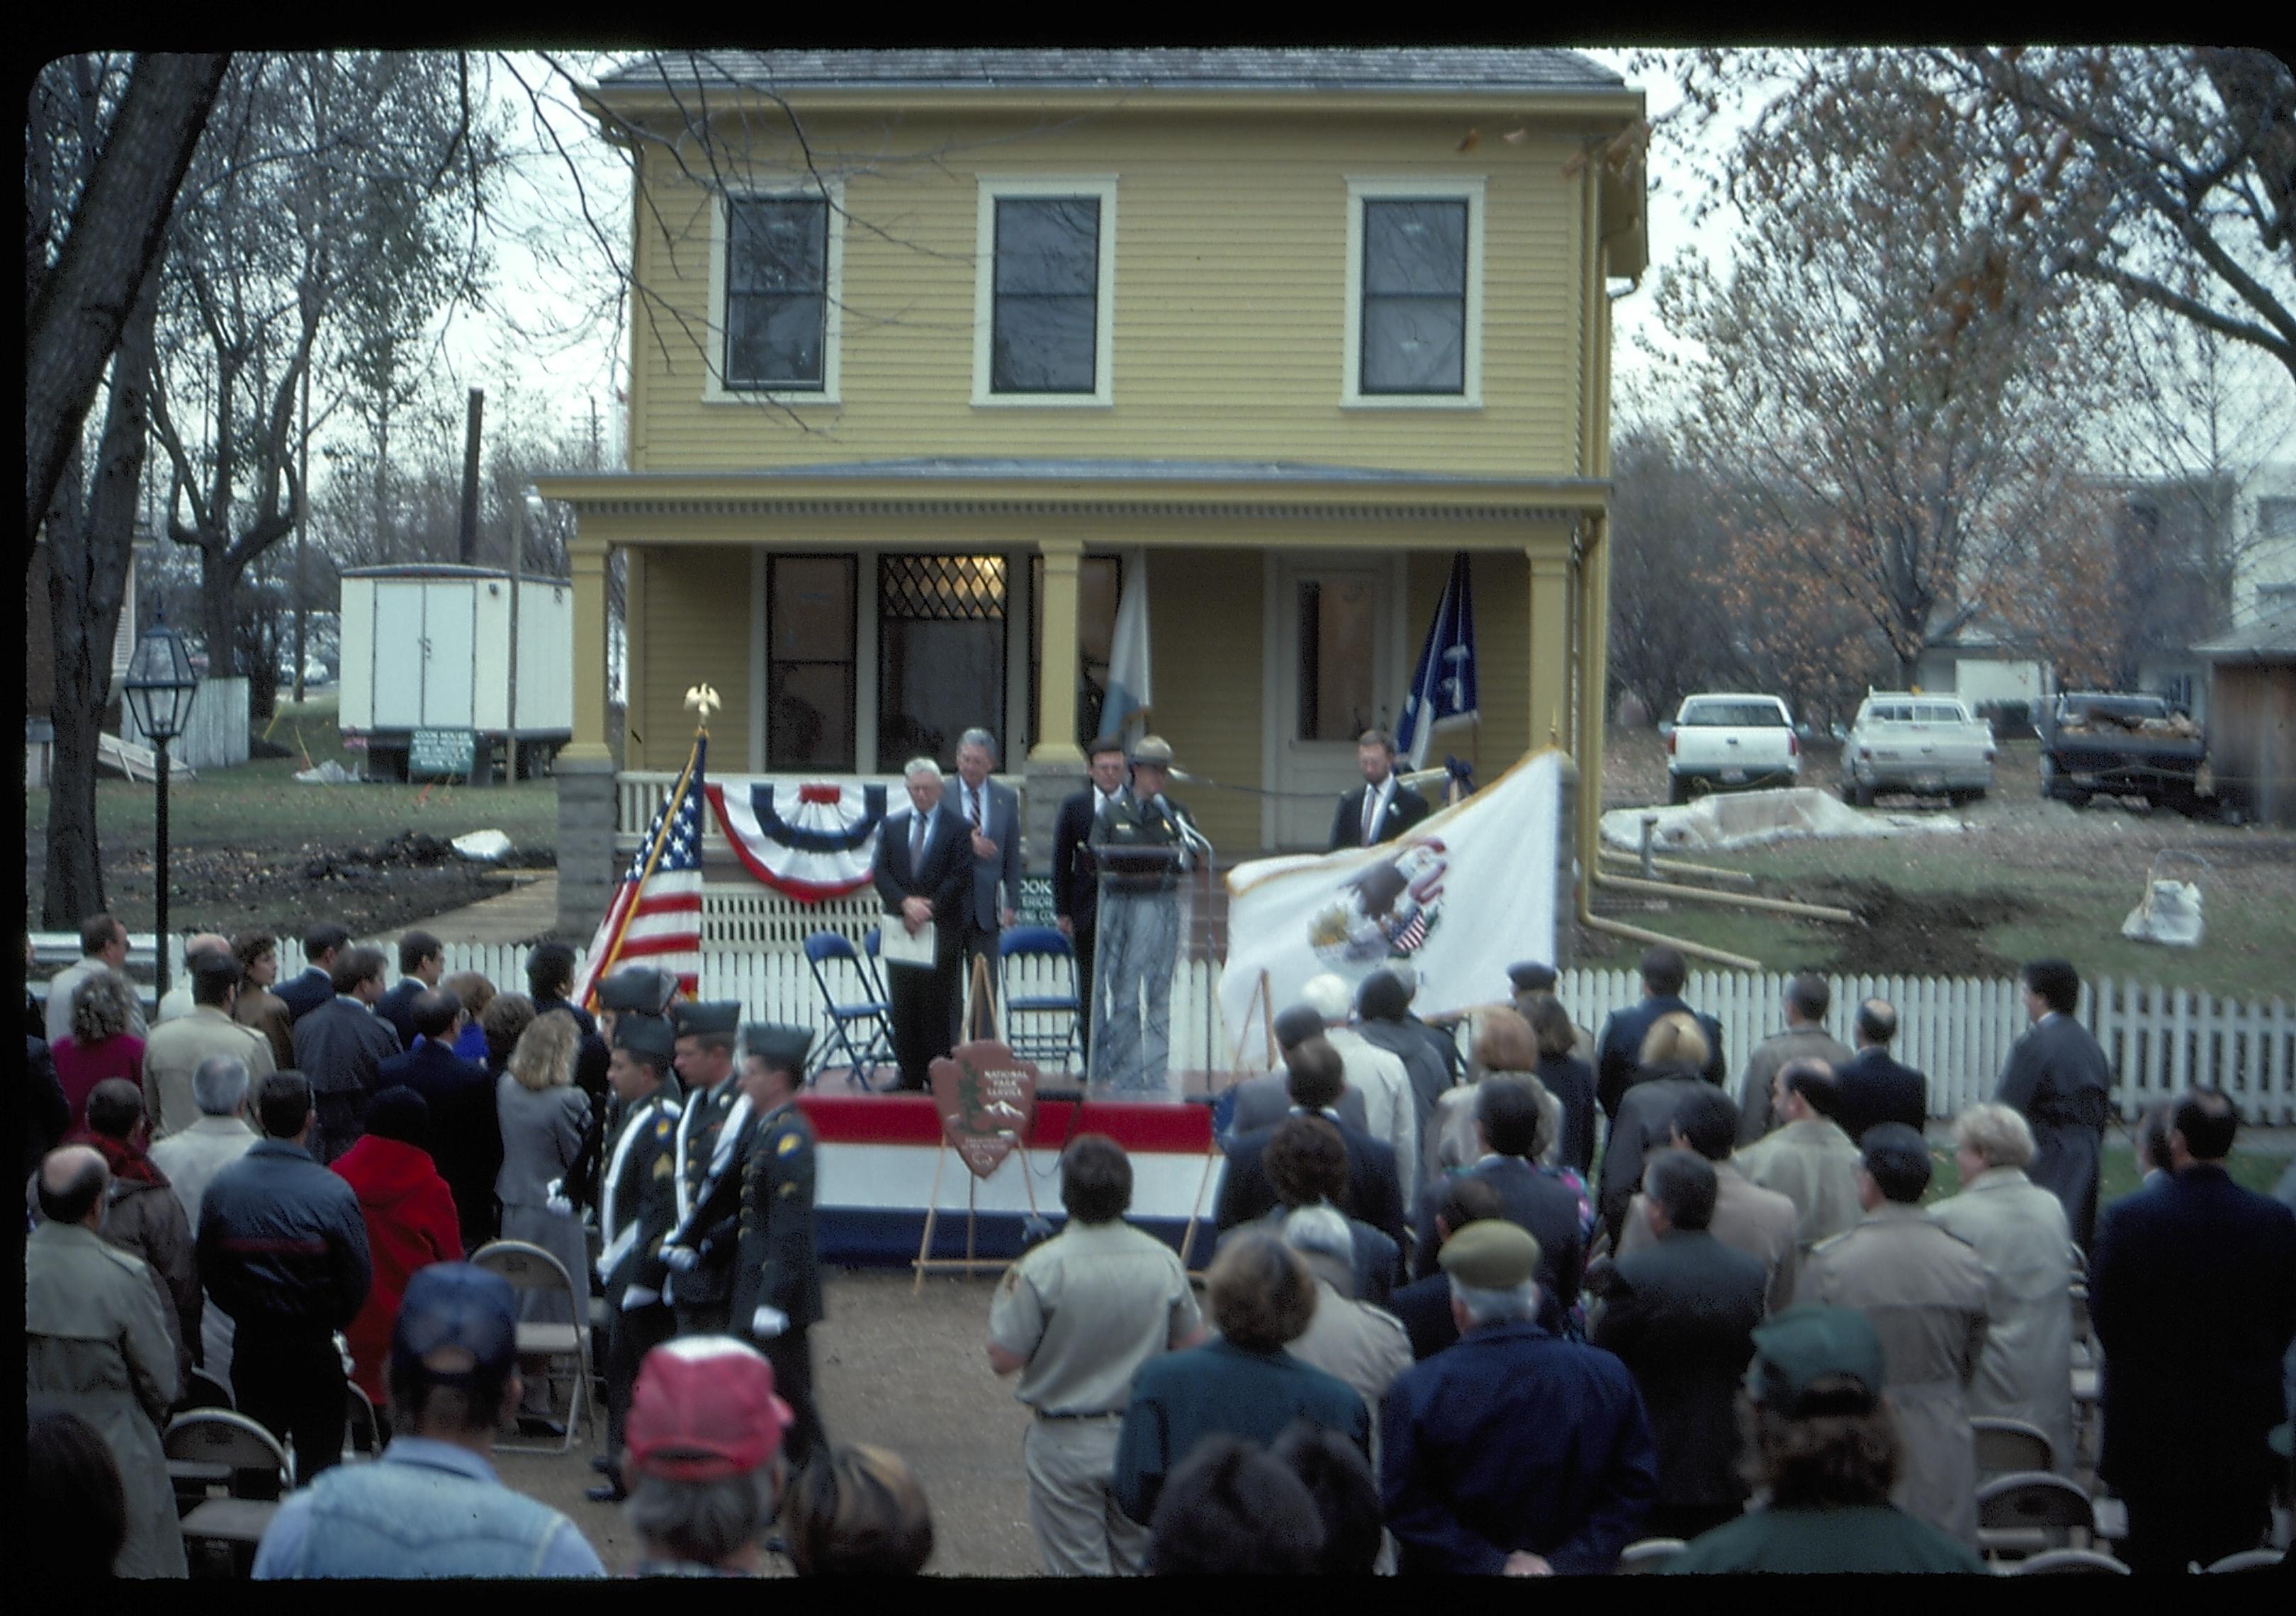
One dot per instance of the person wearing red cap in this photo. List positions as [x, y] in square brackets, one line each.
[703, 1450]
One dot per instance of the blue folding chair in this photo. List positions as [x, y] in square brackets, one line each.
[1040, 1026]
[870, 1014]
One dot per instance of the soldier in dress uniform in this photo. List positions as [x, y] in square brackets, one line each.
[713, 1134]
[637, 1209]
[777, 1274]
[1139, 925]
[634, 990]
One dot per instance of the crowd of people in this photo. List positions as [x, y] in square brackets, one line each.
[1503, 1309]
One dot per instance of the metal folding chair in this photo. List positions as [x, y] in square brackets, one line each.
[228, 1473]
[871, 1012]
[2006, 1447]
[2066, 1561]
[204, 1391]
[1027, 1013]
[362, 1432]
[1650, 1555]
[529, 1267]
[2030, 1511]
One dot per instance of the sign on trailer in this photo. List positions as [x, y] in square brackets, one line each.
[441, 751]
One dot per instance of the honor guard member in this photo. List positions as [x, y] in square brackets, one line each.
[713, 1130]
[777, 1274]
[1139, 924]
[637, 1209]
[634, 990]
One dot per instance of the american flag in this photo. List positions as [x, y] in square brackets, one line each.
[656, 916]
[1412, 934]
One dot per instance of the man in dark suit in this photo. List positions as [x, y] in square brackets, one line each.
[421, 962]
[1315, 1076]
[1266, 1100]
[340, 1047]
[2193, 1292]
[1382, 807]
[1874, 1087]
[465, 1129]
[1424, 1305]
[991, 813]
[320, 946]
[1620, 1049]
[924, 875]
[1506, 1121]
[1382, 1002]
[1681, 1314]
[2058, 1080]
[1076, 880]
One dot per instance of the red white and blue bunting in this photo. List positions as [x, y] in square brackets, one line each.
[821, 848]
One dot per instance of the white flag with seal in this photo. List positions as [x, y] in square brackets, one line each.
[1463, 895]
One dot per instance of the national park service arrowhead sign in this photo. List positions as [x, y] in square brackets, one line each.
[986, 1097]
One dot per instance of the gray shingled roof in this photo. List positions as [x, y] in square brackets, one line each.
[2271, 638]
[1428, 68]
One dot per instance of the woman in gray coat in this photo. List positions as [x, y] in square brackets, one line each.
[543, 1117]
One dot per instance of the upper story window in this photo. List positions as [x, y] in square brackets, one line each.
[1414, 292]
[2276, 518]
[1045, 322]
[774, 297]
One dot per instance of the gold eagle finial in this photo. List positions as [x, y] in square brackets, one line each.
[703, 698]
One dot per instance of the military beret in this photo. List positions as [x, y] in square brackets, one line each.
[649, 1035]
[784, 1049]
[1153, 749]
[1528, 976]
[713, 1015]
[1297, 1025]
[1491, 1254]
[1807, 1343]
[637, 988]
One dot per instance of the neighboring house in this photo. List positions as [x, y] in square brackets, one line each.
[2252, 715]
[2266, 582]
[912, 405]
[1985, 665]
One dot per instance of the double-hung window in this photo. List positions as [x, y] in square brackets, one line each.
[775, 284]
[1414, 292]
[1046, 277]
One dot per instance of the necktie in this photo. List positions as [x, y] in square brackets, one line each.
[1371, 812]
[978, 824]
[916, 844]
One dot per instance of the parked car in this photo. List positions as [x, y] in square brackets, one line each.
[1730, 740]
[2116, 744]
[1904, 740]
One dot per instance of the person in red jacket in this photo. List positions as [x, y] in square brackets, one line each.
[410, 1223]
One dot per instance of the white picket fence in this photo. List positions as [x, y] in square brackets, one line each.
[1958, 1029]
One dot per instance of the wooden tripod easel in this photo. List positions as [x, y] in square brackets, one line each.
[980, 1023]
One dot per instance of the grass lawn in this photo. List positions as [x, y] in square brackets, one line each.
[260, 806]
[2257, 1170]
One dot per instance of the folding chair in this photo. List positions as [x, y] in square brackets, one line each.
[228, 1473]
[2066, 1561]
[1038, 1042]
[204, 1391]
[1650, 1555]
[2006, 1447]
[529, 1267]
[872, 1011]
[2030, 1511]
[362, 1432]
[2251, 1560]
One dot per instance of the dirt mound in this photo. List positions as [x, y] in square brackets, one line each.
[1918, 933]
[410, 850]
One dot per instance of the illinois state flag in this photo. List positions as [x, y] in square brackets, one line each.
[1463, 895]
[656, 916]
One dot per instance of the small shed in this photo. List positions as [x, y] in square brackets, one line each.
[2252, 715]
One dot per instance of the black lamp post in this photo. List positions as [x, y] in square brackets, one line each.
[159, 688]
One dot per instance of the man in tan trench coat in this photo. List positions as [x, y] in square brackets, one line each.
[1809, 1161]
[1924, 1290]
[2020, 1234]
[97, 1341]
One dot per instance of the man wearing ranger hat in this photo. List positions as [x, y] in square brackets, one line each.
[713, 1136]
[1139, 924]
[637, 1207]
[776, 1272]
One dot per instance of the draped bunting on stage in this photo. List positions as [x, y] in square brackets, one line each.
[817, 847]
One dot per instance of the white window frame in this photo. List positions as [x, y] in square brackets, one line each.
[714, 389]
[994, 186]
[1439, 188]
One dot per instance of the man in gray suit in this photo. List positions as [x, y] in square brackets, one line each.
[991, 812]
[1266, 1100]
[2058, 1080]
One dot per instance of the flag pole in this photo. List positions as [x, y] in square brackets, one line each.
[703, 697]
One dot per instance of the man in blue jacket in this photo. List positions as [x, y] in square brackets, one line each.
[1514, 1452]
[1619, 1050]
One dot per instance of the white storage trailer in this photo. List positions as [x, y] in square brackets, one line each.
[433, 653]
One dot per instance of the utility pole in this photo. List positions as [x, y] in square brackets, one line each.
[302, 527]
[468, 550]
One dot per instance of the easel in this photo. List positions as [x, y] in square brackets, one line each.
[983, 1008]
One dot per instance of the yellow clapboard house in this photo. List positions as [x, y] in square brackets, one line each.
[935, 352]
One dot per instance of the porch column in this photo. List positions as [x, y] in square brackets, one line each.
[1550, 648]
[1055, 765]
[588, 558]
[584, 767]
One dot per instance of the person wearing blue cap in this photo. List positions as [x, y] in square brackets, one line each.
[432, 1505]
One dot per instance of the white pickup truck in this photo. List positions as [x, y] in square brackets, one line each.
[1730, 740]
[1906, 742]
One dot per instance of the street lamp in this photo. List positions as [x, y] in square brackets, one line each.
[159, 688]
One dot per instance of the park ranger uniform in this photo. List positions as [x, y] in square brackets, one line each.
[1086, 1310]
[777, 1274]
[713, 1132]
[1138, 940]
[637, 1209]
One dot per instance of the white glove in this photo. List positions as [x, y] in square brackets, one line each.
[343, 1347]
[767, 1322]
[682, 1259]
[555, 1198]
[638, 1296]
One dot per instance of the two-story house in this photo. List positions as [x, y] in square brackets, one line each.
[934, 353]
